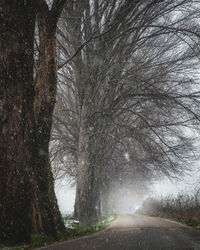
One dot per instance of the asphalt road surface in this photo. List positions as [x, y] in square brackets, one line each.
[134, 232]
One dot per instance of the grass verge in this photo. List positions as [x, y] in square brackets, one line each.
[191, 222]
[184, 209]
[76, 230]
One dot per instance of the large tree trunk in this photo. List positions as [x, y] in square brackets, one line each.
[19, 203]
[105, 201]
[46, 82]
[88, 190]
[27, 200]
[76, 206]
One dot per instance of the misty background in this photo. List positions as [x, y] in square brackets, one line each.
[65, 192]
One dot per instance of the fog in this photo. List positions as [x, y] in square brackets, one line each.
[66, 197]
[124, 200]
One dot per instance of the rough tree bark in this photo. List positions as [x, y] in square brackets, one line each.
[27, 199]
[87, 205]
[46, 81]
[105, 200]
[19, 194]
[87, 208]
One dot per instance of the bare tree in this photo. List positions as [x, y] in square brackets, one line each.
[133, 69]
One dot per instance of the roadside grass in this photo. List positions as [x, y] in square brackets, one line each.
[79, 229]
[184, 209]
[19, 247]
[74, 230]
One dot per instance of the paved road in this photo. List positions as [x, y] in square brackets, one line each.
[133, 232]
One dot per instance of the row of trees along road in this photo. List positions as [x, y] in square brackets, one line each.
[127, 70]
[131, 85]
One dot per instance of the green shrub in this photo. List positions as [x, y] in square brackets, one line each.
[62, 236]
[19, 247]
[81, 229]
[40, 240]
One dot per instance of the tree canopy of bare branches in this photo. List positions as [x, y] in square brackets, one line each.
[128, 83]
